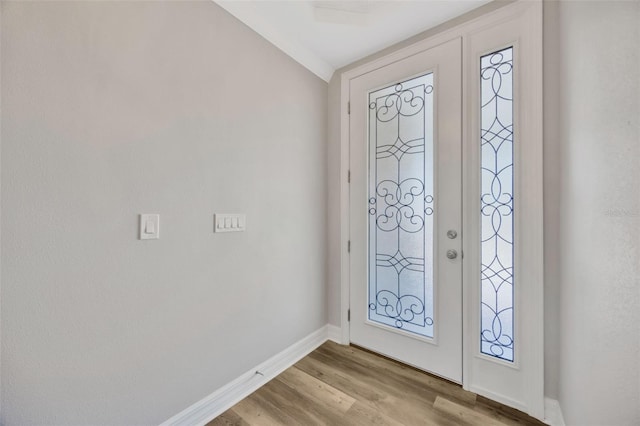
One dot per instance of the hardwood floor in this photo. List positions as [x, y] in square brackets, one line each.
[346, 385]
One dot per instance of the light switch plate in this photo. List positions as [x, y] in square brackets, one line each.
[149, 226]
[229, 222]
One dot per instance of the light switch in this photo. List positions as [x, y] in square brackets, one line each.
[225, 222]
[149, 226]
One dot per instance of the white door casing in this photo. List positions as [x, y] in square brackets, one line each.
[519, 384]
[442, 353]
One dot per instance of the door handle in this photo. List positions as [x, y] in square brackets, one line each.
[452, 254]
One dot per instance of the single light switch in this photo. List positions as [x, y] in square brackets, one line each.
[149, 226]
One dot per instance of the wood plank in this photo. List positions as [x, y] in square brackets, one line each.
[255, 410]
[395, 368]
[464, 415]
[363, 414]
[377, 376]
[508, 412]
[302, 410]
[378, 379]
[337, 379]
[316, 390]
[496, 415]
[228, 418]
[407, 408]
[348, 386]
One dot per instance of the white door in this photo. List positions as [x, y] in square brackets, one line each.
[406, 210]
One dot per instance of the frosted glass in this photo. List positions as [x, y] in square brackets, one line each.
[497, 323]
[401, 206]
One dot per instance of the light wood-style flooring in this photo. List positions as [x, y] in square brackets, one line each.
[347, 385]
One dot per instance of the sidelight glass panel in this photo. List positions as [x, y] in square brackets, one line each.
[401, 206]
[497, 323]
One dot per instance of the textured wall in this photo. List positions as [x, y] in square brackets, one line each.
[552, 172]
[333, 202]
[111, 109]
[598, 132]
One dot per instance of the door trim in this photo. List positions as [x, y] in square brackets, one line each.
[531, 322]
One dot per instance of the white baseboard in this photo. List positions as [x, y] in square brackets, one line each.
[553, 412]
[502, 399]
[335, 333]
[233, 392]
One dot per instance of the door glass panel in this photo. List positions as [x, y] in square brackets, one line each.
[401, 205]
[496, 77]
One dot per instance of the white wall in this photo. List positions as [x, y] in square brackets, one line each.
[111, 109]
[597, 129]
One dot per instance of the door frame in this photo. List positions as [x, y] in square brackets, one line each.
[528, 373]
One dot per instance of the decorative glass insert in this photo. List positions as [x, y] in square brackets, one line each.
[401, 205]
[497, 324]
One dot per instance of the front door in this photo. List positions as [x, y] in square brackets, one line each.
[406, 210]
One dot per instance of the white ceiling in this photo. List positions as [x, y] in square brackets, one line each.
[327, 35]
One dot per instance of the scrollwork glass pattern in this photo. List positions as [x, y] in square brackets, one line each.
[401, 205]
[497, 323]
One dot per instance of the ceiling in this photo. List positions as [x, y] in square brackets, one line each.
[327, 35]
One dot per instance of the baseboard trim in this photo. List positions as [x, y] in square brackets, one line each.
[233, 392]
[502, 399]
[553, 413]
[334, 333]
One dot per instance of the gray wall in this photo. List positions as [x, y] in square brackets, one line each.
[333, 201]
[551, 168]
[595, 87]
[111, 109]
